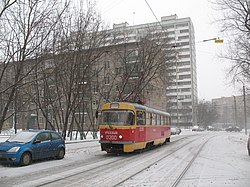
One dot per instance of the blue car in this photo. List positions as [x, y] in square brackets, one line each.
[26, 146]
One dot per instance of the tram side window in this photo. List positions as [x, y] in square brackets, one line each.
[164, 120]
[147, 118]
[141, 117]
[150, 119]
[153, 119]
[156, 119]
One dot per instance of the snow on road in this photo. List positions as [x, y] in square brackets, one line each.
[222, 162]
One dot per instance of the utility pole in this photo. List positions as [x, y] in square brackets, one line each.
[245, 110]
[235, 111]
[244, 103]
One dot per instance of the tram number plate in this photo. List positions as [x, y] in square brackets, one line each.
[111, 137]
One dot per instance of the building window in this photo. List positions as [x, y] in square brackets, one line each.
[184, 63]
[183, 37]
[184, 77]
[184, 83]
[184, 31]
[106, 95]
[117, 88]
[95, 104]
[182, 25]
[107, 64]
[185, 89]
[184, 56]
[184, 70]
[106, 80]
[95, 89]
[118, 70]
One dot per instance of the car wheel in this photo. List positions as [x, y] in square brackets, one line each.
[60, 154]
[25, 159]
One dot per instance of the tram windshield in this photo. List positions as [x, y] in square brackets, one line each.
[118, 117]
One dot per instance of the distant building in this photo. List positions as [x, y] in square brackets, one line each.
[231, 111]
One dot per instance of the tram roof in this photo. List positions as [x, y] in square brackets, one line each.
[143, 107]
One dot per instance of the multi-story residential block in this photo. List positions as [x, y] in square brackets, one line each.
[129, 66]
[231, 111]
[182, 91]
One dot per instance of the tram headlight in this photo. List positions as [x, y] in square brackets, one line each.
[101, 136]
[120, 136]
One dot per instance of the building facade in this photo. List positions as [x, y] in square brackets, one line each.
[231, 111]
[127, 55]
[181, 91]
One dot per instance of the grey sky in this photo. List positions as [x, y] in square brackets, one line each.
[211, 73]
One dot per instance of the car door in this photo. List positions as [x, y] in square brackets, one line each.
[56, 143]
[42, 146]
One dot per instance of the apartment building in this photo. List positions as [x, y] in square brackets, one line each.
[181, 91]
[121, 54]
[231, 111]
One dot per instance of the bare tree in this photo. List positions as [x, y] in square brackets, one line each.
[207, 114]
[76, 41]
[5, 4]
[135, 68]
[234, 22]
[25, 32]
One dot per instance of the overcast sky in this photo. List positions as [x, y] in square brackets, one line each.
[211, 72]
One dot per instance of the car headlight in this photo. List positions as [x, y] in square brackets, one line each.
[13, 149]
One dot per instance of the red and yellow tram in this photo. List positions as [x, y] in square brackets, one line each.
[127, 127]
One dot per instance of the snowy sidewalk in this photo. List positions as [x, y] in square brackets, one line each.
[224, 161]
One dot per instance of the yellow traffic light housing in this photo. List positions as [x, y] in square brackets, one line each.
[217, 40]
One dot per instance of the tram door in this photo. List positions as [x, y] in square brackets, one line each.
[141, 128]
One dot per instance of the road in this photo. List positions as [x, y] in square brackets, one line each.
[190, 159]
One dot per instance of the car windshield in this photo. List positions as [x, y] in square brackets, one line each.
[118, 117]
[23, 136]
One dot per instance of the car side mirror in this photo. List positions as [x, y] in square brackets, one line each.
[37, 141]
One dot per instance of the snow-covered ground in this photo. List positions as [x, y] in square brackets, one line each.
[223, 161]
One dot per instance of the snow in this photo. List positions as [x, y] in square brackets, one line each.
[223, 161]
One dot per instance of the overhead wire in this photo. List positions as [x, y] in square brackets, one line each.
[154, 15]
[111, 5]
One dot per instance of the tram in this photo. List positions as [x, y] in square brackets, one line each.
[128, 127]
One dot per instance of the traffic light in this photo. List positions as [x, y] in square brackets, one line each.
[217, 40]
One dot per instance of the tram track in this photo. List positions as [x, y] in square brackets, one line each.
[179, 178]
[97, 175]
[173, 181]
[95, 172]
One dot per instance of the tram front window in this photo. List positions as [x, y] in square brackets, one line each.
[118, 117]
